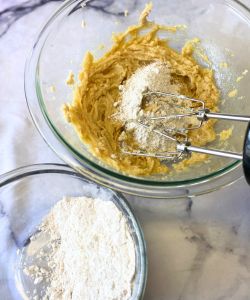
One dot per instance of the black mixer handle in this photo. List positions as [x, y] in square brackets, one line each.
[246, 155]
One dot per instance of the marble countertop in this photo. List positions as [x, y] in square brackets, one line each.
[193, 255]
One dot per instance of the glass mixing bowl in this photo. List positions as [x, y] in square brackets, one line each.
[81, 26]
[26, 196]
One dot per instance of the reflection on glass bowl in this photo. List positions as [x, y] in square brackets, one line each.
[27, 195]
[62, 44]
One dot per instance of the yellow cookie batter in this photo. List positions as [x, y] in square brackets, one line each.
[96, 96]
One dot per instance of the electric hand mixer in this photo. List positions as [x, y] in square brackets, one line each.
[178, 135]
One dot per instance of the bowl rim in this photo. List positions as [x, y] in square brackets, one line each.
[80, 162]
[55, 168]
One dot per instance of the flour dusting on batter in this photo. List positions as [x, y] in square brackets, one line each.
[106, 89]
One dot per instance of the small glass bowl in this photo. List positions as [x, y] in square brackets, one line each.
[81, 26]
[26, 195]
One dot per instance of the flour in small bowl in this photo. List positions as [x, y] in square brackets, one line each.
[90, 252]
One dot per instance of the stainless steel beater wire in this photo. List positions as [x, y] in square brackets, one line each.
[172, 116]
[205, 114]
[174, 95]
[158, 132]
[171, 155]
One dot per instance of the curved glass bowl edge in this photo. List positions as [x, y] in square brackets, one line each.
[101, 171]
[36, 169]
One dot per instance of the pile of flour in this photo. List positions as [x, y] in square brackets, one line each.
[91, 252]
[153, 77]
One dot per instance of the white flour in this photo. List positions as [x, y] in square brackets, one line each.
[153, 77]
[92, 253]
[132, 91]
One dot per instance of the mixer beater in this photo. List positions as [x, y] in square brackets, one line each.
[187, 108]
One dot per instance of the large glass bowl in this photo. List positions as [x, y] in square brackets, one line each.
[80, 26]
[26, 195]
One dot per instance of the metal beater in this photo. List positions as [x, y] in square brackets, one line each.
[179, 135]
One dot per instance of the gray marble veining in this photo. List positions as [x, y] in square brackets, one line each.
[202, 253]
[197, 249]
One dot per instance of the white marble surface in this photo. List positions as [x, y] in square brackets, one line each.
[202, 254]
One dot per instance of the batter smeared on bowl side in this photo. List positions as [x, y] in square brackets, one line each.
[98, 100]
